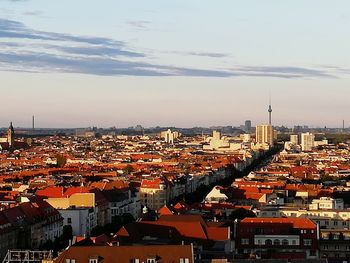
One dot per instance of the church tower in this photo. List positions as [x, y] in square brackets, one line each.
[11, 136]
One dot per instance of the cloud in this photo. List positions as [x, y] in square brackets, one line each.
[207, 54]
[139, 24]
[23, 49]
[33, 13]
[287, 72]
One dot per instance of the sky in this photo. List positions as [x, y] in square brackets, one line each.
[181, 63]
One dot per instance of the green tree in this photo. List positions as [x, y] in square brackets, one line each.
[61, 160]
[128, 169]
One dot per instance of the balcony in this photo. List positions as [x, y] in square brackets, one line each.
[276, 240]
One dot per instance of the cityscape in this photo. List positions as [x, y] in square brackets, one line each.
[174, 131]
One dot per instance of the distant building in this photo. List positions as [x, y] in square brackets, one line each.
[327, 203]
[9, 143]
[11, 136]
[264, 134]
[307, 141]
[169, 136]
[216, 196]
[294, 139]
[247, 125]
[222, 143]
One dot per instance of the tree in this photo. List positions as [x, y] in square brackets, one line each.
[61, 160]
[128, 169]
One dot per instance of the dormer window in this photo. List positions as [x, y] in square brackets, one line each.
[93, 260]
[151, 260]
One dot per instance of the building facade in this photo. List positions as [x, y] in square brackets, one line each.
[264, 134]
[275, 238]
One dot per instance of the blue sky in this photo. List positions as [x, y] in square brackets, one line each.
[177, 63]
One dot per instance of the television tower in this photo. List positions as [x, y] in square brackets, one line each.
[270, 110]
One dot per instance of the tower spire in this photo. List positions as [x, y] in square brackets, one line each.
[11, 135]
[270, 108]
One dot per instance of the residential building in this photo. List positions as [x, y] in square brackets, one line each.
[294, 139]
[277, 238]
[128, 254]
[307, 141]
[78, 211]
[264, 134]
[154, 193]
[327, 203]
[335, 245]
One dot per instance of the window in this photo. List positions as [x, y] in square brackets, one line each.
[69, 220]
[268, 242]
[285, 242]
[245, 241]
[307, 242]
[259, 231]
[93, 260]
[276, 242]
[294, 242]
[151, 260]
[312, 253]
[184, 260]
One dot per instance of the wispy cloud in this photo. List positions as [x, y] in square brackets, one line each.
[207, 54]
[139, 24]
[287, 72]
[29, 50]
[33, 13]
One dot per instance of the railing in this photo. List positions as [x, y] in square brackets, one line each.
[27, 256]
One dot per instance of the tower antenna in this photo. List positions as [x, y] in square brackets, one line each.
[270, 108]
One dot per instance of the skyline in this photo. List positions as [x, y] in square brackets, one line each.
[178, 63]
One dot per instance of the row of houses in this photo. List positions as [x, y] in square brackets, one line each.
[29, 225]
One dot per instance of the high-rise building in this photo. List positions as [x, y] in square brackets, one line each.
[169, 136]
[11, 136]
[264, 134]
[247, 125]
[294, 139]
[307, 141]
[216, 135]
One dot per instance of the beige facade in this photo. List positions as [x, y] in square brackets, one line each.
[75, 200]
[264, 134]
[307, 141]
[169, 136]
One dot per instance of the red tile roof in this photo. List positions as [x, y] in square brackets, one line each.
[300, 223]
